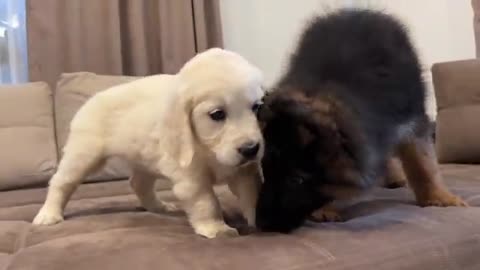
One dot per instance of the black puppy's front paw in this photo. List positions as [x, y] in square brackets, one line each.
[326, 214]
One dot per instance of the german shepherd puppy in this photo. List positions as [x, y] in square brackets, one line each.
[351, 99]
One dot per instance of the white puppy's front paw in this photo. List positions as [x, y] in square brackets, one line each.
[215, 229]
[162, 207]
[170, 206]
[47, 217]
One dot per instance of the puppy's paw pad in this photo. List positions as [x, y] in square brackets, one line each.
[216, 230]
[326, 215]
[443, 199]
[46, 218]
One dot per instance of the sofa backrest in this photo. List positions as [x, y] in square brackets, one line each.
[34, 126]
[27, 140]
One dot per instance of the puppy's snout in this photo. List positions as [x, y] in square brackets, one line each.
[249, 150]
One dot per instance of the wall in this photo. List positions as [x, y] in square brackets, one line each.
[264, 31]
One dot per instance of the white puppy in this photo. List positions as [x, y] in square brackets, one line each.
[196, 128]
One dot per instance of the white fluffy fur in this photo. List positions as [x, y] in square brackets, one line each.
[161, 126]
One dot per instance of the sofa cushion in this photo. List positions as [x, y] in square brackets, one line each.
[105, 229]
[27, 139]
[457, 91]
[73, 89]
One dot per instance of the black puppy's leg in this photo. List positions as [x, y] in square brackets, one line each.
[395, 176]
[420, 164]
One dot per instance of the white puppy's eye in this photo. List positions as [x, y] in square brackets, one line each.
[217, 115]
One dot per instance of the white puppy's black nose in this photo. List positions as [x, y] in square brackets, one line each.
[249, 150]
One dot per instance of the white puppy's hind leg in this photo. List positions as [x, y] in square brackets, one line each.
[144, 186]
[203, 209]
[80, 157]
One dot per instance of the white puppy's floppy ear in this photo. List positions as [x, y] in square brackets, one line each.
[180, 142]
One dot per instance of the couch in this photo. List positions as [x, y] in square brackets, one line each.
[105, 228]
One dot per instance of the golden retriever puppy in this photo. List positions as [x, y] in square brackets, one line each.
[196, 128]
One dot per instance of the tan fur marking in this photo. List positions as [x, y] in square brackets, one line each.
[319, 104]
[327, 213]
[395, 174]
[341, 192]
[420, 164]
[306, 136]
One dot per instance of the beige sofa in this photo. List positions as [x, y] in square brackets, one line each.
[106, 229]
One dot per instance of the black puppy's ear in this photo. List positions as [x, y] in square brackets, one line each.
[306, 135]
[315, 113]
[315, 117]
[265, 112]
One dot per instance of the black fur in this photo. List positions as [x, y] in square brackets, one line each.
[362, 65]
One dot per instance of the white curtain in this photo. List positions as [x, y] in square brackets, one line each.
[13, 45]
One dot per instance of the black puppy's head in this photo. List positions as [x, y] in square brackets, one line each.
[305, 151]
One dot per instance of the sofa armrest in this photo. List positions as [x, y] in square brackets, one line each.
[457, 91]
[456, 83]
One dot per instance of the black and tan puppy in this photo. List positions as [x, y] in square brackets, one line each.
[351, 98]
